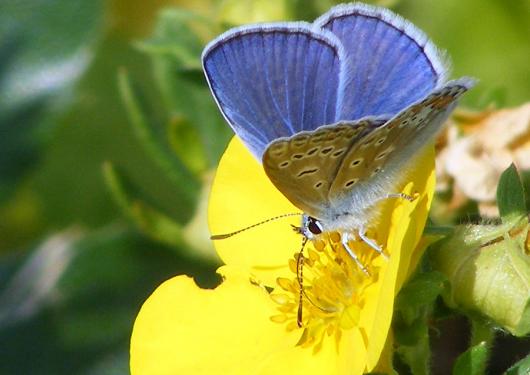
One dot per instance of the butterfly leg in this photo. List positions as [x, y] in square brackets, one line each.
[371, 243]
[345, 238]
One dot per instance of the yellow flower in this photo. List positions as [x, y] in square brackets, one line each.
[248, 324]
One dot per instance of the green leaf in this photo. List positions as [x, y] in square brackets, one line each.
[481, 331]
[419, 292]
[150, 221]
[522, 367]
[28, 291]
[438, 231]
[510, 17]
[511, 196]
[186, 143]
[50, 45]
[176, 37]
[175, 51]
[416, 355]
[237, 12]
[144, 132]
[414, 305]
[45, 47]
[473, 361]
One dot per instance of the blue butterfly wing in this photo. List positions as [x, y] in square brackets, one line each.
[274, 80]
[390, 64]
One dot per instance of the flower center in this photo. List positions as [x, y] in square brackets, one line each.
[325, 296]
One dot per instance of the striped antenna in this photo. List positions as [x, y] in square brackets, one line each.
[227, 235]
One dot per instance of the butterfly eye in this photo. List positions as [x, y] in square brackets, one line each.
[314, 225]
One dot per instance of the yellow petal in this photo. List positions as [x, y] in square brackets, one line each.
[242, 195]
[412, 246]
[407, 220]
[182, 329]
[425, 242]
[385, 365]
[345, 357]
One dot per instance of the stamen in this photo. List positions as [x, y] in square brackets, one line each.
[325, 295]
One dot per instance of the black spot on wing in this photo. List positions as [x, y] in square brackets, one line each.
[306, 172]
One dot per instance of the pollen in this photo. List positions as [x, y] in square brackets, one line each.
[325, 295]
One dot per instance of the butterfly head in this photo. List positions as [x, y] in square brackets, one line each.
[311, 227]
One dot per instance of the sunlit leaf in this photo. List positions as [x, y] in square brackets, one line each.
[511, 196]
[520, 368]
[472, 361]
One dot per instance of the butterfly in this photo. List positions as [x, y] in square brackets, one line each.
[336, 110]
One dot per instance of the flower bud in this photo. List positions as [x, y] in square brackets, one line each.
[489, 271]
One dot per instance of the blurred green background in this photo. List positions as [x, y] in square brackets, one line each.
[109, 138]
